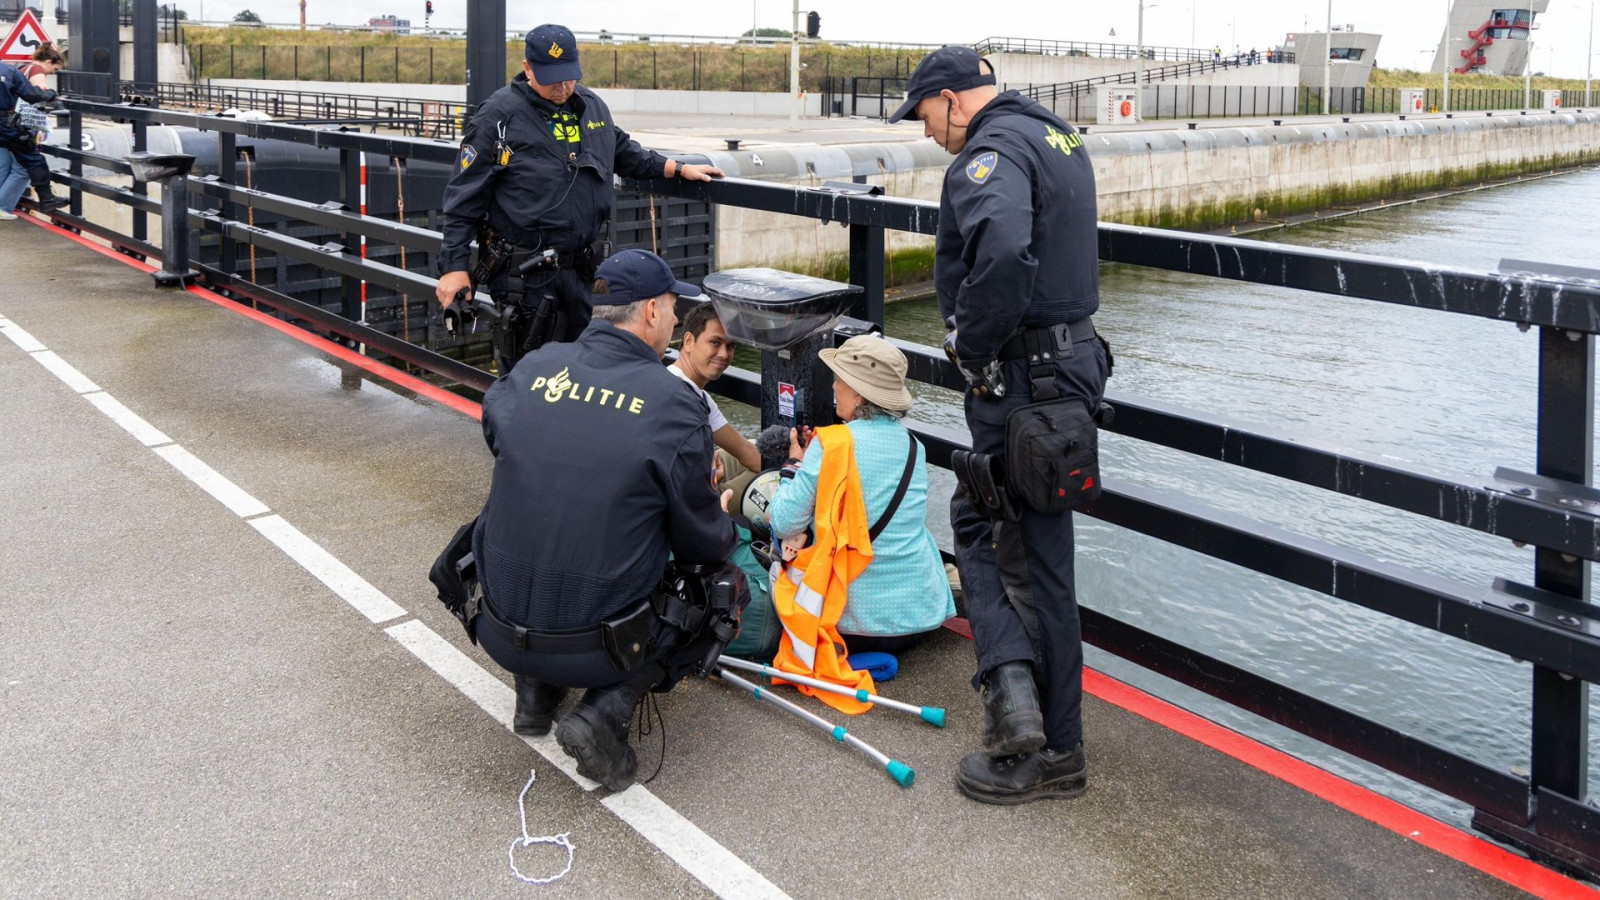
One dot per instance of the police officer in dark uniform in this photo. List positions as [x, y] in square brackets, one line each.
[535, 175]
[1017, 274]
[603, 464]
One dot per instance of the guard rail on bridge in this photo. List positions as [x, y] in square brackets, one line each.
[1545, 621]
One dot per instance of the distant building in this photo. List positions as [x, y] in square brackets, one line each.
[1353, 55]
[1489, 36]
[389, 25]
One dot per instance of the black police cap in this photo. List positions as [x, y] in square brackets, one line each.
[949, 68]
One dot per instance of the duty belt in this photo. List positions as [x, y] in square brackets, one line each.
[1046, 342]
[564, 259]
[563, 642]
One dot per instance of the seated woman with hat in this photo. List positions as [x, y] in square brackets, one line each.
[902, 595]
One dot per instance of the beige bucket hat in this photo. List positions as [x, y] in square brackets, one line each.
[875, 368]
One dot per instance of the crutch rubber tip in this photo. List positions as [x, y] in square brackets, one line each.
[901, 773]
[933, 715]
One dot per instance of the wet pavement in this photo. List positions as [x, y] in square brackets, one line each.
[189, 712]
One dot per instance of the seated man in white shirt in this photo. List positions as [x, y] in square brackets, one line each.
[706, 354]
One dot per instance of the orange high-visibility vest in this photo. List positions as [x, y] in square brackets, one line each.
[810, 595]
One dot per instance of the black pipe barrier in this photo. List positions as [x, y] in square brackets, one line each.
[1548, 623]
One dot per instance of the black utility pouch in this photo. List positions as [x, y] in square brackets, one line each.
[986, 486]
[626, 636]
[1053, 456]
[455, 576]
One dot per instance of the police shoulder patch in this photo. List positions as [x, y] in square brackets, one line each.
[469, 153]
[982, 166]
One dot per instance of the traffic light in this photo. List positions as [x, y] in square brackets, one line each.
[813, 24]
[430, 7]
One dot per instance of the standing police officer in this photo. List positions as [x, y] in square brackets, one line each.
[535, 175]
[1017, 273]
[602, 466]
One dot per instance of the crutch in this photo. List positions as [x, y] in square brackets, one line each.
[899, 771]
[933, 715]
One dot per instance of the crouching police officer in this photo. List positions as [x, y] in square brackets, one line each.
[1017, 273]
[602, 467]
[533, 185]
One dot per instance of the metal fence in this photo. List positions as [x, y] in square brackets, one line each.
[1544, 619]
[666, 67]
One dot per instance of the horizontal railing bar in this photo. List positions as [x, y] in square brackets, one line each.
[1518, 298]
[1485, 788]
[1491, 511]
[340, 220]
[1428, 601]
[1425, 600]
[437, 363]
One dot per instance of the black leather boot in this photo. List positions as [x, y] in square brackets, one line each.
[536, 706]
[595, 733]
[40, 179]
[1012, 720]
[1024, 777]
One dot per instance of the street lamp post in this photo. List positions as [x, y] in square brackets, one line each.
[1448, 63]
[1527, 76]
[1138, 71]
[794, 71]
[1327, 64]
[1588, 66]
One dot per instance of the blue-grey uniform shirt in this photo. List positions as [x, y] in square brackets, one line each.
[541, 174]
[602, 466]
[1018, 241]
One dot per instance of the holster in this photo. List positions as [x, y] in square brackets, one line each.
[455, 575]
[626, 636]
[980, 474]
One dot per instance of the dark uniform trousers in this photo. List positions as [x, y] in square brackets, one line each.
[573, 307]
[1017, 577]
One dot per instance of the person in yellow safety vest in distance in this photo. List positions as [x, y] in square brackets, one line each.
[872, 580]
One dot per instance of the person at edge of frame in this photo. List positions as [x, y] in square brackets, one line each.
[580, 431]
[534, 175]
[1016, 264]
[14, 176]
[35, 124]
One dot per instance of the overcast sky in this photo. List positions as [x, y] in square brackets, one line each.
[1410, 28]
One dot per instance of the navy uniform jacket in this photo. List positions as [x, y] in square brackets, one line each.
[14, 85]
[602, 465]
[1018, 241]
[551, 192]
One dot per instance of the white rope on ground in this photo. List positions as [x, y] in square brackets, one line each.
[528, 840]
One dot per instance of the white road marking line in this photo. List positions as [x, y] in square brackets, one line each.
[681, 840]
[130, 421]
[64, 371]
[26, 341]
[226, 492]
[352, 588]
[480, 687]
[714, 865]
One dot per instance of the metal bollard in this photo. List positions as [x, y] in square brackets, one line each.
[171, 171]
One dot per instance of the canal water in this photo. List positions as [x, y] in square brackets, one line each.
[1445, 392]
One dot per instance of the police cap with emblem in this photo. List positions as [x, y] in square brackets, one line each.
[949, 68]
[635, 275]
[553, 53]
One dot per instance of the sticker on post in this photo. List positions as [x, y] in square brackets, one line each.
[786, 400]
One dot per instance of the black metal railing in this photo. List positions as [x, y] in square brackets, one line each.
[1546, 620]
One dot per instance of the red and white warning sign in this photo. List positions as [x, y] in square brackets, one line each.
[25, 37]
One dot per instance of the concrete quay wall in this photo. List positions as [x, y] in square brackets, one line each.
[1194, 180]
[1197, 180]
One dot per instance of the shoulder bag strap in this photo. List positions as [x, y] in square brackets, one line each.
[899, 492]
